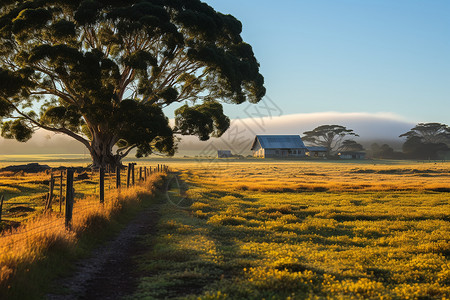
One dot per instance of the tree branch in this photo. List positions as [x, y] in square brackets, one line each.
[122, 155]
[58, 130]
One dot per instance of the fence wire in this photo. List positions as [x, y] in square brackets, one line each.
[86, 201]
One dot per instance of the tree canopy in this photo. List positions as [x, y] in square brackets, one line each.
[101, 72]
[329, 136]
[429, 133]
[427, 141]
[351, 145]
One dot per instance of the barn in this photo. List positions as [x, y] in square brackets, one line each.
[316, 151]
[278, 146]
[352, 155]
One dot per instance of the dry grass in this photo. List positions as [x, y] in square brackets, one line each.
[322, 176]
[25, 193]
[30, 243]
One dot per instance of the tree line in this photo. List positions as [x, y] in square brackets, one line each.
[424, 141]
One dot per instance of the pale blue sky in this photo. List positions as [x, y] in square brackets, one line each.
[350, 55]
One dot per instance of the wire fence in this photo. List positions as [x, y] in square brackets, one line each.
[63, 205]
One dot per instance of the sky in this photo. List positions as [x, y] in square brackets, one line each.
[350, 55]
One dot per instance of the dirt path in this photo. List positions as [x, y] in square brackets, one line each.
[111, 273]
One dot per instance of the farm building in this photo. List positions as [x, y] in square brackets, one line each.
[224, 153]
[278, 146]
[316, 151]
[352, 155]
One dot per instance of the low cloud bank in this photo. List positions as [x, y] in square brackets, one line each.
[43, 142]
[372, 127]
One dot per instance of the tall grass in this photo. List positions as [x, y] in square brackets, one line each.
[42, 247]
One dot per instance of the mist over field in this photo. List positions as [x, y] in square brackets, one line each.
[378, 127]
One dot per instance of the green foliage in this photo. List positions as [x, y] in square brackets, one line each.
[16, 129]
[202, 120]
[12, 84]
[66, 117]
[79, 60]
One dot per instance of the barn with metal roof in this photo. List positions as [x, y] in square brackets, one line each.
[278, 146]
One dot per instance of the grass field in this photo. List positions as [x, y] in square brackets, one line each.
[256, 229]
[296, 230]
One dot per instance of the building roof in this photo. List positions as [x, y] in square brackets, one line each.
[316, 149]
[278, 141]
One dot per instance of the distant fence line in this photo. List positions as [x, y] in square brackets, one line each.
[65, 180]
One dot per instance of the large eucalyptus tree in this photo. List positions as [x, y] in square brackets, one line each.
[102, 71]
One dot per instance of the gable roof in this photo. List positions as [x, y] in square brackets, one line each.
[278, 141]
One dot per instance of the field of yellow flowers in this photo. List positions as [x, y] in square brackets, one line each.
[302, 230]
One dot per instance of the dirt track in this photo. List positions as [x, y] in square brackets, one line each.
[110, 273]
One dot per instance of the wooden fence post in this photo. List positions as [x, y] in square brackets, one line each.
[110, 176]
[61, 190]
[129, 175]
[118, 177]
[140, 173]
[145, 173]
[48, 205]
[102, 185]
[2, 198]
[132, 174]
[69, 198]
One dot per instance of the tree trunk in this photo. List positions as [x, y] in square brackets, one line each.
[102, 155]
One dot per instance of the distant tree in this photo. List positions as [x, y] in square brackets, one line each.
[427, 141]
[329, 136]
[101, 72]
[351, 145]
[383, 151]
[433, 133]
[415, 148]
